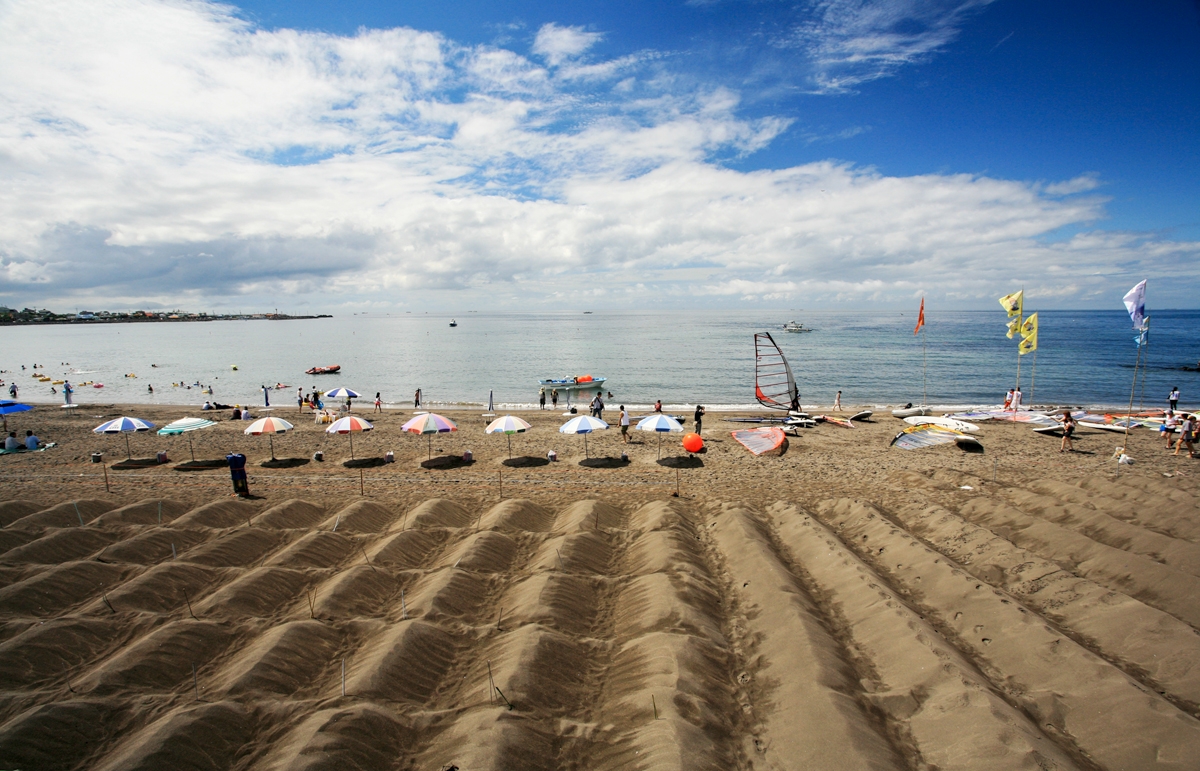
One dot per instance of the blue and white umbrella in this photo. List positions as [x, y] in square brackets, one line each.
[661, 424]
[342, 393]
[507, 425]
[584, 424]
[125, 426]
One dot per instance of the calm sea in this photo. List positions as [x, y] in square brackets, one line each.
[683, 358]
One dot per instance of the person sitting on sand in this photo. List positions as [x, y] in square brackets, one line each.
[207, 406]
[12, 443]
[237, 413]
[31, 441]
[658, 405]
[1068, 429]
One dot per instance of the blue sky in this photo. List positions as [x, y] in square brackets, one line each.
[375, 156]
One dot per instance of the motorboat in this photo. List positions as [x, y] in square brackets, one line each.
[453, 323]
[795, 326]
[333, 369]
[578, 383]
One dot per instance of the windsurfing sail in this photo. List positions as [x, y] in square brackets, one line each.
[926, 435]
[761, 441]
[774, 385]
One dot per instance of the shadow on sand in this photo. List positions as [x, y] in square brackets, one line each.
[682, 461]
[365, 462]
[202, 465]
[446, 462]
[525, 461]
[284, 463]
[603, 463]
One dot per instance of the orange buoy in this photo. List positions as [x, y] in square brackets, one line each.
[693, 442]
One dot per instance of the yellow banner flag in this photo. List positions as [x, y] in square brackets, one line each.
[1014, 327]
[1028, 344]
[1013, 303]
[1029, 327]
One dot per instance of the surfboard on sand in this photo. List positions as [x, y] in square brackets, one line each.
[950, 423]
[762, 441]
[908, 412]
[929, 435]
[864, 415]
[835, 421]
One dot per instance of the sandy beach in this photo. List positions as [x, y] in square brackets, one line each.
[844, 605]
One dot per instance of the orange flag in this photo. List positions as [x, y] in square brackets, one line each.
[920, 317]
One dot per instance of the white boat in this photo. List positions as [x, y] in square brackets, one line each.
[908, 412]
[795, 326]
[453, 323]
[575, 384]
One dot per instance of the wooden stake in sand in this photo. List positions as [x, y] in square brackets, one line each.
[195, 682]
[336, 522]
[362, 490]
[499, 617]
[491, 684]
[654, 704]
[312, 606]
[188, 600]
[160, 517]
[105, 467]
[173, 554]
[368, 559]
[403, 605]
[109, 604]
[77, 513]
[506, 701]
[343, 677]
[560, 562]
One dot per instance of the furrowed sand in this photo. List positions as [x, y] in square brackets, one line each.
[845, 605]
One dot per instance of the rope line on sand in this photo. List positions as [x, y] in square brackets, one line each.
[97, 479]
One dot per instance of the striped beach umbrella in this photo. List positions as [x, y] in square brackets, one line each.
[349, 426]
[429, 423]
[185, 426]
[341, 393]
[508, 425]
[584, 424]
[660, 424]
[269, 426]
[125, 426]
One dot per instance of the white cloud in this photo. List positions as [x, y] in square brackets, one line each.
[854, 41]
[558, 44]
[166, 151]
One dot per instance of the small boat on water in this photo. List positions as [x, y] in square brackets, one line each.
[580, 383]
[333, 369]
[453, 323]
[796, 326]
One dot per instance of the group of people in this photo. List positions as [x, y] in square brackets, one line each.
[1185, 424]
[1012, 400]
[542, 398]
[13, 443]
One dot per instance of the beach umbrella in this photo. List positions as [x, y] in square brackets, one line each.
[349, 426]
[342, 393]
[269, 426]
[584, 424]
[660, 424]
[507, 425]
[125, 426]
[7, 407]
[185, 426]
[429, 423]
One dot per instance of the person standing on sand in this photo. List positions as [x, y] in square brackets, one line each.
[1168, 427]
[1008, 397]
[1016, 400]
[1173, 398]
[266, 396]
[300, 400]
[837, 402]
[698, 417]
[378, 403]
[554, 398]
[624, 424]
[417, 399]
[542, 398]
[1068, 429]
[1185, 435]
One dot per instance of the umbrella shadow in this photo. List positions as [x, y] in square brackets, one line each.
[444, 462]
[525, 461]
[135, 463]
[202, 465]
[364, 462]
[284, 463]
[604, 463]
[681, 461]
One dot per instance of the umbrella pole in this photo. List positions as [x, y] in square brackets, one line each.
[351, 445]
[128, 452]
[660, 446]
[585, 451]
[509, 445]
[271, 440]
[192, 449]
[429, 446]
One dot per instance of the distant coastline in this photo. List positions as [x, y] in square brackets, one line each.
[10, 317]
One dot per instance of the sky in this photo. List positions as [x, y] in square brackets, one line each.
[540, 156]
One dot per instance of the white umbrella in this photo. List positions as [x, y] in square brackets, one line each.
[349, 426]
[269, 426]
[507, 425]
[184, 426]
[660, 424]
[584, 424]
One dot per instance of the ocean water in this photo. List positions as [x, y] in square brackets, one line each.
[684, 358]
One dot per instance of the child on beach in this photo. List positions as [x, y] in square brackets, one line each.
[1068, 426]
[378, 403]
[1185, 435]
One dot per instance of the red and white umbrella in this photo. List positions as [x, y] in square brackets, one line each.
[269, 426]
[349, 426]
[429, 423]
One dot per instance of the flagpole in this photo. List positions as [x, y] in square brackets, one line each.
[924, 380]
[1132, 391]
[1142, 398]
[1033, 378]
